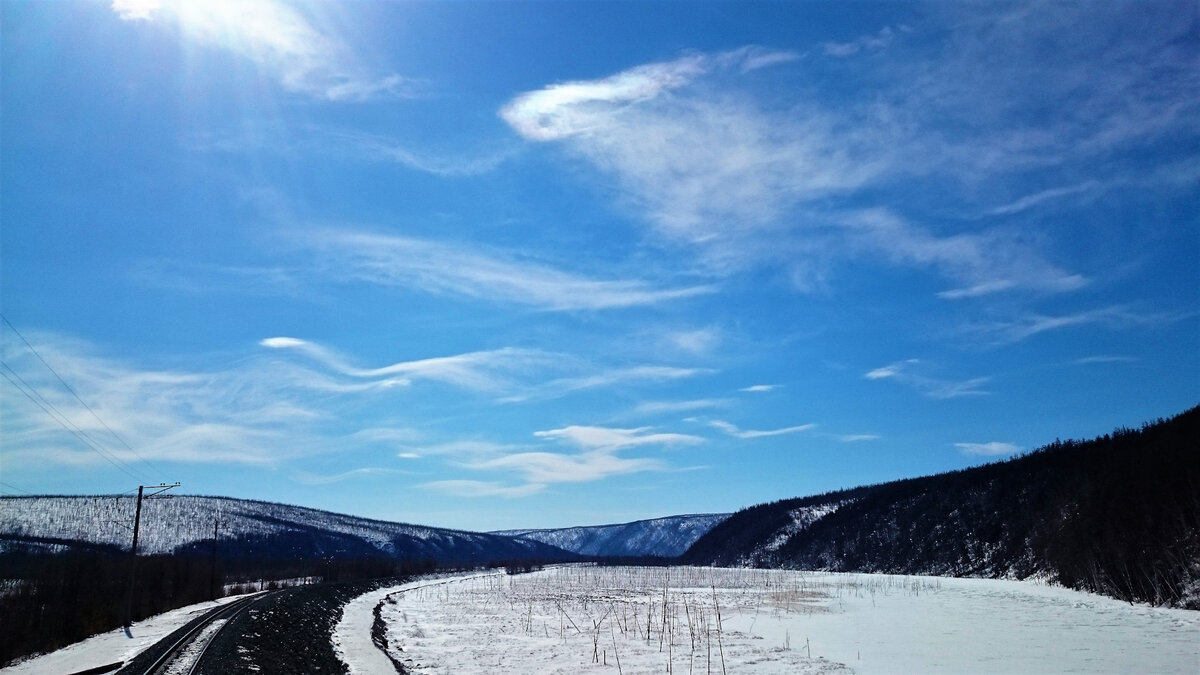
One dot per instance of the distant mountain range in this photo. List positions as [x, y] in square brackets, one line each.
[659, 537]
[246, 529]
[1117, 515]
[255, 529]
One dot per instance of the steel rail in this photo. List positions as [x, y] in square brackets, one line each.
[226, 611]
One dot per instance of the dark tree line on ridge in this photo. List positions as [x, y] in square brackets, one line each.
[1117, 515]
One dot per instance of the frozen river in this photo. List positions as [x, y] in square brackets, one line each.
[659, 620]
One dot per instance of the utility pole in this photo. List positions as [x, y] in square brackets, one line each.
[137, 520]
[213, 581]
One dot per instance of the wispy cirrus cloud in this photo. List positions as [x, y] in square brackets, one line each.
[310, 478]
[857, 438]
[867, 43]
[277, 38]
[482, 489]
[192, 278]
[746, 434]
[456, 270]
[720, 172]
[611, 438]
[1113, 317]
[511, 374]
[660, 407]
[488, 371]
[328, 142]
[597, 456]
[990, 449]
[699, 341]
[702, 165]
[1049, 195]
[248, 411]
[259, 409]
[760, 388]
[439, 163]
[910, 373]
[544, 468]
[1092, 360]
[630, 376]
[711, 157]
[985, 263]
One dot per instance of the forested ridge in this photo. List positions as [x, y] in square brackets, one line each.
[1117, 515]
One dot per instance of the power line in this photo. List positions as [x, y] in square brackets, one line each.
[77, 397]
[14, 488]
[65, 423]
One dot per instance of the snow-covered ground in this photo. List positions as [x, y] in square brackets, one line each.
[352, 641]
[115, 645]
[643, 620]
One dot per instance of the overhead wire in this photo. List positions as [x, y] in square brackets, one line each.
[69, 388]
[65, 423]
[14, 488]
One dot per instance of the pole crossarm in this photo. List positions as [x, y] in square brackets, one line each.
[160, 488]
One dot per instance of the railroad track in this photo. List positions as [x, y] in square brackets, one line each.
[185, 654]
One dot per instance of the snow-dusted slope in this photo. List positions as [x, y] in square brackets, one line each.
[247, 528]
[664, 537]
[1116, 515]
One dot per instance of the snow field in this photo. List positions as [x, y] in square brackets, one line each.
[580, 619]
[703, 620]
[351, 637]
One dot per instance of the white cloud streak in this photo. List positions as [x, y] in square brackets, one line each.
[309, 478]
[991, 449]
[744, 178]
[511, 374]
[482, 489]
[628, 377]
[746, 434]
[703, 166]
[720, 173]
[661, 407]
[542, 468]
[598, 457]
[867, 43]
[907, 373]
[384, 149]
[255, 412]
[443, 269]
[1115, 317]
[488, 371]
[1030, 201]
[611, 439]
[987, 263]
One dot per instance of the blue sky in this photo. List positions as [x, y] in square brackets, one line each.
[491, 265]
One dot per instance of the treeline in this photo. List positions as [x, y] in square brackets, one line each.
[1117, 515]
[50, 600]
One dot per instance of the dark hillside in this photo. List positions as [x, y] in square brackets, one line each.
[1118, 515]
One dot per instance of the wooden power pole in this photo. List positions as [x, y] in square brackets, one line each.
[212, 583]
[137, 520]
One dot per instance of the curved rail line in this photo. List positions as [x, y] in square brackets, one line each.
[161, 664]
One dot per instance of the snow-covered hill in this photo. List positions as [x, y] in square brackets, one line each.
[664, 537]
[244, 528]
[1116, 515]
